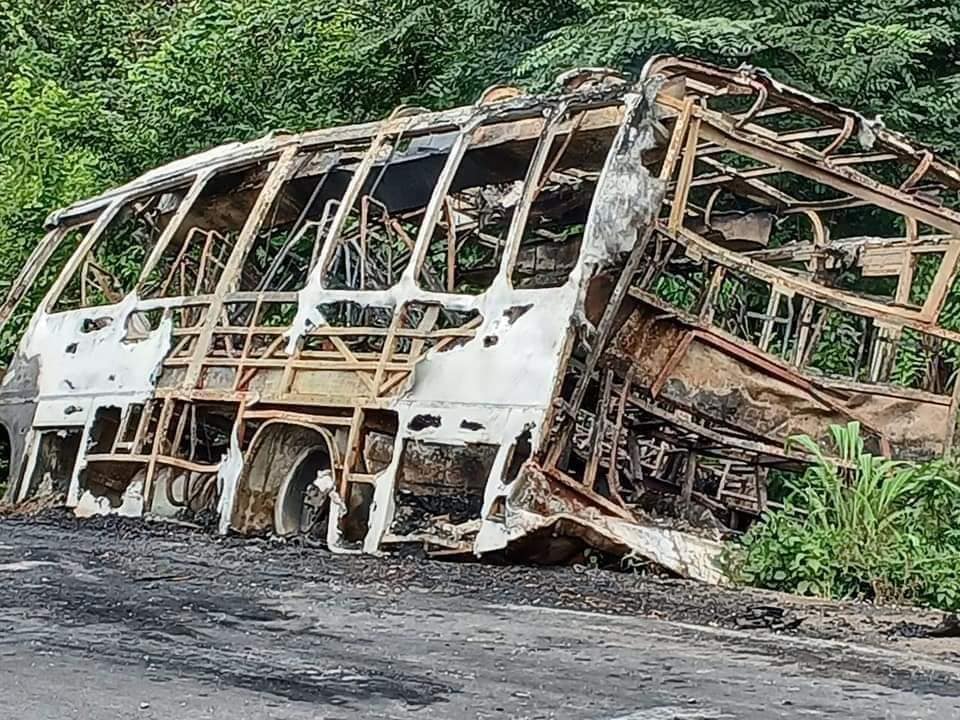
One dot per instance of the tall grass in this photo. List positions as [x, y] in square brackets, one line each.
[860, 526]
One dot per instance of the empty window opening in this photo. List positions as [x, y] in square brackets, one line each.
[198, 432]
[370, 323]
[104, 431]
[141, 323]
[194, 259]
[551, 240]
[110, 479]
[290, 239]
[468, 239]
[375, 243]
[31, 296]
[110, 269]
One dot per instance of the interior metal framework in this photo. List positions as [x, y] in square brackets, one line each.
[474, 328]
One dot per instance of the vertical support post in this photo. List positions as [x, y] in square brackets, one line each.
[689, 475]
[599, 431]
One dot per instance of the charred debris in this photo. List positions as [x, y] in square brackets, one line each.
[543, 323]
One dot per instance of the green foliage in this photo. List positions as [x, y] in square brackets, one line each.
[860, 526]
[93, 92]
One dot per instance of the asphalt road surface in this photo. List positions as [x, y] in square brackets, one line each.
[113, 622]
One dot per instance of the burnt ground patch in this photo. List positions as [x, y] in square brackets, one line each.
[202, 605]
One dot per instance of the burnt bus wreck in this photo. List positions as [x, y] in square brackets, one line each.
[533, 317]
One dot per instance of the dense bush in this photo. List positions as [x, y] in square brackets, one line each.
[861, 527]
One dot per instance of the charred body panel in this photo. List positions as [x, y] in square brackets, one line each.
[470, 327]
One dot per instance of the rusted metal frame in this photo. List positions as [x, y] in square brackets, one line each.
[451, 245]
[708, 304]
[183, 209]
[295, 230]
[136, 445]
[828, 296]
[727, 174]
[205, 256]
[800, 354]
[149, 488]
[436, 204]
[169, 460]
[660, 261]
[676, 140]
[551, 168]
[101, 278]
[185, 416]
[613, 472]
[942, 282]
[349, 199]
[423, 124]
[599, 431]
[844, 179]
[353, 450]
[245, 352]
[123, 429]
[676, 445]
[761, 487]
[362, 249]
[883, 355]
[848, 127]
[682, 191]
[591, 495]
[84, 274]
[600, 340]
[784, 95]
[918, 172]
[387, 352]
[757, 106]
[773, 308]
[689, 477]
[338, 420]
[671, 364]
[721, 438]
[175, 265]
[292, 400]
[785, 374]
[428, 321]
[341, 331]
[227, 337]
[278, 176]
[745, 177]
[446, 338]
[844, 386]
[724, 475]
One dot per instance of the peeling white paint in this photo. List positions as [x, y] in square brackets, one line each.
[228, 474]
[131, 504]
